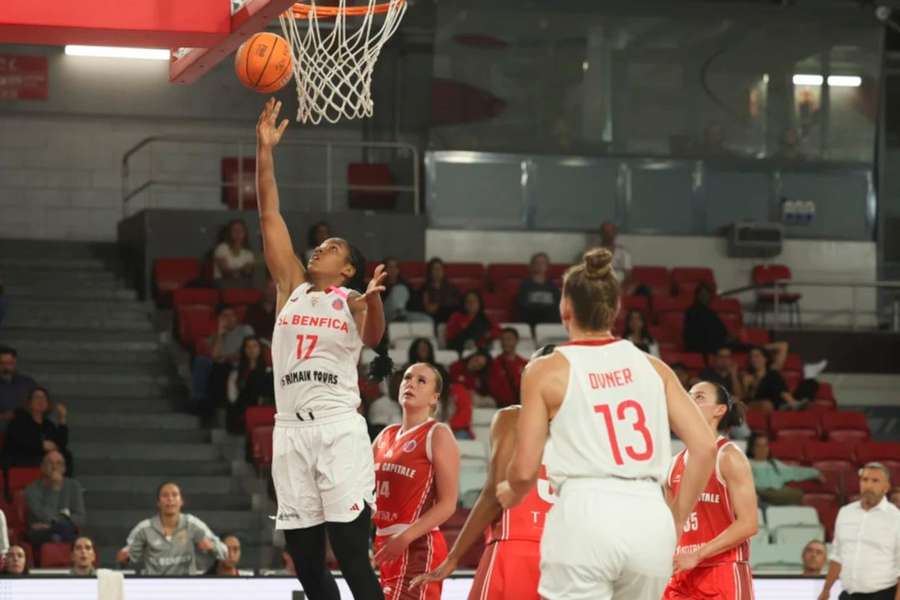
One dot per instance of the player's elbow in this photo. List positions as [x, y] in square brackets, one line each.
[520, 476]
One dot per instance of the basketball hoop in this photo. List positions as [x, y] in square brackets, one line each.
[333, 72]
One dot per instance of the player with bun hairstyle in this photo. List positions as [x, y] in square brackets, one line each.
[322, 463]
[712, 559]
[606, 408]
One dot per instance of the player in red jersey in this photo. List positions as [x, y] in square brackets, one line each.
[416, 488]
[712, 559]
[510, 566]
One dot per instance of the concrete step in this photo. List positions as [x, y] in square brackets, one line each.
[49, 307]
[137, 407]
[145, 435]
[146, 486]
[135, 453]
[76, 294]
[149, 369]
[160, 468]
[58, 250]
[100, 378]
[36, 335]
[109, 500]
[48, 357]
[75, 321]
[864, 389]
[81, 419]
[62, 278]
[11, 264]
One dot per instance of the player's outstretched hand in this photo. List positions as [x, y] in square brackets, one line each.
[267, 132]
[374, 289]
[442, 572]
[392, 549]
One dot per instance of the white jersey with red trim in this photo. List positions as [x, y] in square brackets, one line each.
[613, 421]
[315, 350]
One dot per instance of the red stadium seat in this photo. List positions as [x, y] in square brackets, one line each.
[726, 305]
[194, 322]
[789, 451]
[753, 336]
[757, 420]
[693, 275]
[826, 393]
[55, 555]
[733, 323]
[19, 477]
[169, 274]
[801, 425]
[508, 289]
[231, 296]
[692, 360]
[654, 278]
[665, 304]
[840, 476]
[413, 269]
[827, 508]
[673, 322]
[828, 453]
[492, 300]
[887, 453]
[845, 426]
[638, 303]
[467, 284]
[793, 362]
[259, 416]
[765, 297]
[470, 270]
[497, 272]
[792, 379]
[556, 272]
[261, 445]
[499, 315]
[195, 297]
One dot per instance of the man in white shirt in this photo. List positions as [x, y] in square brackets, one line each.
[866, 549]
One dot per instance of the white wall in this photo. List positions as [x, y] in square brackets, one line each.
[809, 260]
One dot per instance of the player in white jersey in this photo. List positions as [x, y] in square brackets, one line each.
[607, 408]
[322, 463]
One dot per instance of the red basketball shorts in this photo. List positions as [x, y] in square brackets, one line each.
[728, 581]
[508, 570]
[422, 556]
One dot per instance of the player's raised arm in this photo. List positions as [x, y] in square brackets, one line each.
[688, 424]
[283, 264]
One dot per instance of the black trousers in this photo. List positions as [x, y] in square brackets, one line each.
[887, 594]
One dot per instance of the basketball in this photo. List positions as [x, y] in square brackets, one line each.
[263, 63]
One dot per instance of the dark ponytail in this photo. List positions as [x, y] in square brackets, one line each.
[381, 367]
[734, 414]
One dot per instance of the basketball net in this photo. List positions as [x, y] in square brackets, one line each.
[333, 72]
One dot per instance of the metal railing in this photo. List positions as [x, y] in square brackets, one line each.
[245, 147]
[779, 287]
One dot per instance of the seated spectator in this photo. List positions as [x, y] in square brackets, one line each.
[723, 370]
[813, 557]
[83, 558]
[385, 410]
[684, 375]
[261, 316]
[315, 235]
[228, 566]
[894, 497]
[210, 374]
[421, 350]
[31, 433]
[637, 333]
[472, 372]
[458, 411]
[54, 503]
[538, 297]
[397, 293]
[169, 542]
[505, 372]
[249, 384]
[437, 298]
[771, 476]
[704, 331]
[233, 260]
[16, 563]
[14, 386]
[471, 327]
[764, 386]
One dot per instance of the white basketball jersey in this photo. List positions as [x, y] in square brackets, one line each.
[613, 421]
[315, 350]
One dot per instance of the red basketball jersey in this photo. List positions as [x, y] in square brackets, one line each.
[404, 476]
[525, 522]
[712, 515]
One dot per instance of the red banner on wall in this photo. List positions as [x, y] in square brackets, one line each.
[23, 77]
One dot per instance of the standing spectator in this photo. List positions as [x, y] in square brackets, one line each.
[621, 261]
[16, 563]
[813, 557]
[315, 235]
[771, 476]
[210, 374]
[538, 297]
[472, 372]
[31, 433]
[228, 566]
[637, 333]
[437, 298]
[14, 386]
[723, 370]
[865, 552]
[233, 260]
[55, 503]
[249, 384]
[83, 558]
[421, 350]
[261, 316]
[397, 292]
[704, 331]
[505, 372]
[764, 385]
[471, 327]
[169, 542]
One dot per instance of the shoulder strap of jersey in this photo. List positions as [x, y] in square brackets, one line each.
[431, 429]
[721, 444]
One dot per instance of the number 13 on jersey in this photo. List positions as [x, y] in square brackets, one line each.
[632, 413]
